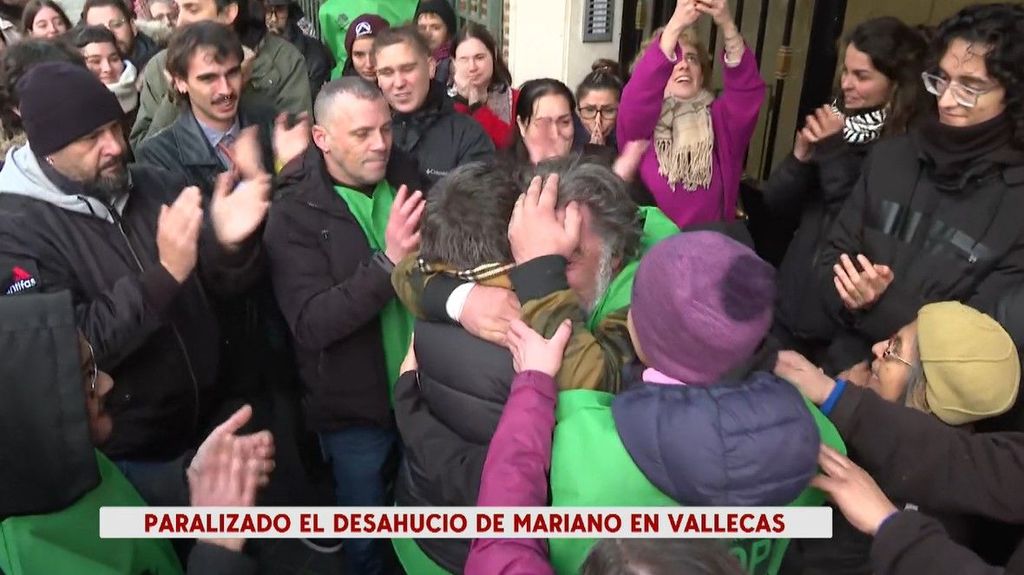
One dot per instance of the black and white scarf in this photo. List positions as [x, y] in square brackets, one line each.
[864, 127]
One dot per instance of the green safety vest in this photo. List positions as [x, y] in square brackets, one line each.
[591, 468]
[396, 323]
[68, 541]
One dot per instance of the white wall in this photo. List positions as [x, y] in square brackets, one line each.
[546, 40]
[580, 55]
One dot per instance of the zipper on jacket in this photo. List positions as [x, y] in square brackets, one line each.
[177, 335]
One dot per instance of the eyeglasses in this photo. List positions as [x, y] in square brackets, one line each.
[891, 355]
[116, 24]
[591, 112]
[94, 370]
[964, 95]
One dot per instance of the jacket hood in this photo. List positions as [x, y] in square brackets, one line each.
[745, 442]
[47, 460]
[22, 175]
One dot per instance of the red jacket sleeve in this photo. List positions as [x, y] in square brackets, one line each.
[499, 130]
[516, 475]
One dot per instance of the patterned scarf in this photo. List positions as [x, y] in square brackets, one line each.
[492, 274]
[866, 126]
[684, 141]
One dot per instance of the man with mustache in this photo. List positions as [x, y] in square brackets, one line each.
[215, 131]
[139, 254]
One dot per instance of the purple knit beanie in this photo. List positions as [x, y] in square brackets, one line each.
[702, 304]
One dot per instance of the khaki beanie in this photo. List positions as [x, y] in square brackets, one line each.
[969, 361]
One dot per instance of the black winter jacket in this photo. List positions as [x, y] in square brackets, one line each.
[815, 191]
[157, 338]
[915, 457]
[331, 288]
[43, 415]
[440, 138]
[145, 48]
[319, 61]
[448, 411]
[966, 245]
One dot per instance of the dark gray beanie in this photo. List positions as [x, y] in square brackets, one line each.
[61, 102]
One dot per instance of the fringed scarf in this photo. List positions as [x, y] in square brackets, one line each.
[684, 141]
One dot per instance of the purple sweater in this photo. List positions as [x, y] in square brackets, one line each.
[733, 116]
[516, 475]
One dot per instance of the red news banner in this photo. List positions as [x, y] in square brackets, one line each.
[465, 522]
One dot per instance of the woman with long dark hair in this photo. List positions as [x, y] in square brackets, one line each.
[481, 84]
[881, 94]
[44, 19]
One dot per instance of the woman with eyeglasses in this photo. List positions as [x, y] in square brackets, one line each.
[881, 94]
[916, 425]
[936, 214]
[598, 97]
[481, 84]
[698, 140]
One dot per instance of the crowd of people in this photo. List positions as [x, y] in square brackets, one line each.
[498, 291]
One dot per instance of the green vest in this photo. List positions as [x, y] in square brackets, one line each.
[395, 321]
[591, 468]
[336, 15]
[68, 541]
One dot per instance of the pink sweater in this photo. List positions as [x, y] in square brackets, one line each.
[733, 116]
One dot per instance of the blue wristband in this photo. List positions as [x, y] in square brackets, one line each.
[833, 398]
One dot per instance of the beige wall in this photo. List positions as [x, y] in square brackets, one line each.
[545, 40]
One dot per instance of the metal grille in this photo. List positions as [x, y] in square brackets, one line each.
[598, 19]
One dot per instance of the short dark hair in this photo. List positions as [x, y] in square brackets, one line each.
[999, 26]
[188, 39]
[17, 60]
[85, 35]
[615, 215]
[127, 11]
[465, 222]
[660, 557]
[407, 34]
[500, 76]
[33, 8]
[357, 86]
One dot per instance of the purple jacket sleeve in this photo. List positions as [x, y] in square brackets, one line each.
[642, 96]
[516, 475]
[740, 100]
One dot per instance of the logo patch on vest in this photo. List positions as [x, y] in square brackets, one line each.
[21, 280]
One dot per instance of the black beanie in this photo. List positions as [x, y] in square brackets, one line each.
[61, 102]
[443, 9]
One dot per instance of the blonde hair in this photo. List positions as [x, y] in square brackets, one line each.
[688, 37]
